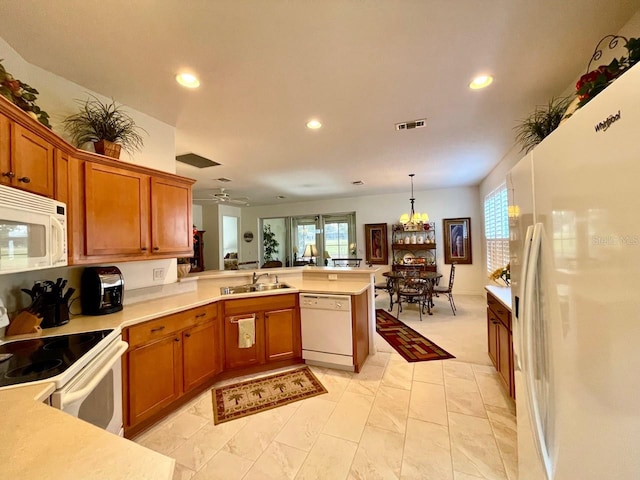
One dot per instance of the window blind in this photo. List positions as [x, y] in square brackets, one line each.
[496, 228]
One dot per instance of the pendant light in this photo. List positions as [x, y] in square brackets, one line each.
[413, 220]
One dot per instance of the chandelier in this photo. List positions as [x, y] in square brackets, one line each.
[413, 220]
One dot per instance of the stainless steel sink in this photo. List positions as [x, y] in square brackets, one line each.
[257, 287]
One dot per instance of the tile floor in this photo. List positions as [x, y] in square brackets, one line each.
[435, 420]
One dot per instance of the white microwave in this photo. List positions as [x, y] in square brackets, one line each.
[33, 231]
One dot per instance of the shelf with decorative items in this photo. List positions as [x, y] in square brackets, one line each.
[414, 245]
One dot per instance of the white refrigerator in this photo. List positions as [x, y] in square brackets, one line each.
[574, 221]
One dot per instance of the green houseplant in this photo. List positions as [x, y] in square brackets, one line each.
[106, 125]
[544, 120]
[22, 95]
[269, 243]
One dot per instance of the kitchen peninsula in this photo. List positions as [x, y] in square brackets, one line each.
[29, 425]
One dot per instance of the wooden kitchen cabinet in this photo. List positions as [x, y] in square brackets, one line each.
[500, 342]
[26, 159]
[169, 359]
[171, 224]
[277, 326]
[122, 213]
[282, 335]
[116, 211]
[153, 378]
[201, 358]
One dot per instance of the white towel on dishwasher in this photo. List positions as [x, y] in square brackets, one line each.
[246, 332]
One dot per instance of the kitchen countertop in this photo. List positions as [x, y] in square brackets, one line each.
[503, 294]
[43, 442]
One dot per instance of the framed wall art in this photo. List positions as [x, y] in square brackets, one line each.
[376, 242]
[457, 240]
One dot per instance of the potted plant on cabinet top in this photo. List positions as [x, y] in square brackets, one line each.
[106, 125]
[544, 120]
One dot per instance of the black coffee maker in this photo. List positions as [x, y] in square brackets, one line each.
[102, 290]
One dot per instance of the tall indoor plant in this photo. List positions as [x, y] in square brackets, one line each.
[106, 125]
[269, 243]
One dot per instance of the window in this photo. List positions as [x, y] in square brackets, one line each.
[496, 228]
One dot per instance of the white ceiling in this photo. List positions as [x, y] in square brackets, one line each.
[359, 66]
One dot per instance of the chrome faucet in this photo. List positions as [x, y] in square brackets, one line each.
[256, 277]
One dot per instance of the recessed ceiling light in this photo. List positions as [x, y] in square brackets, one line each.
[358, 182]
[481, 82]
[188, 80]
[281, 197]
[313, 124]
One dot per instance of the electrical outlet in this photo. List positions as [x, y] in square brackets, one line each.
[158, 273]
[333, 276]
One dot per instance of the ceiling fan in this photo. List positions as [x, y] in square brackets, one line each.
[223, 197]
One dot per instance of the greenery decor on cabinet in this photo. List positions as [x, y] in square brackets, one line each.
[22, 95]
[594, 81]
[106, 125]
[544, 120]
[269, 243]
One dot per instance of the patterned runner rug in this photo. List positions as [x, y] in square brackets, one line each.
[253, 396]
[407, 342]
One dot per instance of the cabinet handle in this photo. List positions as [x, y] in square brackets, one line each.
[8, 174]
[156, 248]
[495, 322]
[188, 335]
[157, 329]
[24, 180]
[176, 339]
[200, 315]
[144, 249]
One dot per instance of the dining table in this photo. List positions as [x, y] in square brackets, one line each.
[395, 277]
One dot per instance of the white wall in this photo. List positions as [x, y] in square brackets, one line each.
[439, 204]
[57, 97]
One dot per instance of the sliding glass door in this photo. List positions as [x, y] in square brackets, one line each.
[312, 238]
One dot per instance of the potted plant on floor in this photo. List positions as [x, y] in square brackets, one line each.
[106, 125]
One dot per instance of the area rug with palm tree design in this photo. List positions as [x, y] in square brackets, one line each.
[252, 396]
[407, 342]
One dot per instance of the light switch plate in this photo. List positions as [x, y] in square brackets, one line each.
[158, 273]
[333, 276]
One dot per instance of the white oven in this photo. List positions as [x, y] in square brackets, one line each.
[95, 393]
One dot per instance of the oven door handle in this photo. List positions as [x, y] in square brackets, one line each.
[72, 397]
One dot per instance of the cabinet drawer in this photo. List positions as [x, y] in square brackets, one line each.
[154, 329]
[259, 304]
[499, 310]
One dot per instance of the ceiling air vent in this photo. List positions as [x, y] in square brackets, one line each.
[196, 160]
[223, 180]
[412, 124]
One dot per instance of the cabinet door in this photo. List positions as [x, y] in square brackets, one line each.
[492, 334]
[154, 377]
[5, 150]
[504, 356]
[235, 356]
[117, 211]
[31, 161]
[282, 333]
[171, 221]
[201, 354]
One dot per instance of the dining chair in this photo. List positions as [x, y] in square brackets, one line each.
[413, 289]
[448, 289]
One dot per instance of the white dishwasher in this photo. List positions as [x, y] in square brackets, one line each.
[327, 336]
